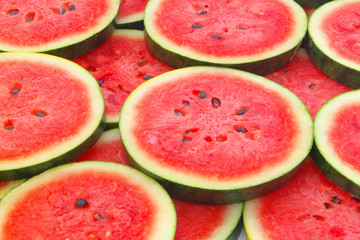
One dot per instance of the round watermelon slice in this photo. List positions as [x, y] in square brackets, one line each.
[88, 200]
[63, 28]
[108, 148]
[51, 113]
[207, 138]
[260, 36]
[302, 77]
[307, 207]
[131, 14]
[120, 65]
[334, 41]
[336, 150]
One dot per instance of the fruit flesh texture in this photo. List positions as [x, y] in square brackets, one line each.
[23, 97]
[341, 28]
[15, 24]
[119, 66]
[309, 207]
[115, 209]
[303, 78]
[203, 138]
[247, 32]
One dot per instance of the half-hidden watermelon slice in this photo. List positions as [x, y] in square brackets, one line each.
[206, 222]
[120, 65]
[63, 28]
[336, 150]
[260, 36]
[334, 41]
[208, 138]
[131, 14]
[108, 148]
[51, 113]
[311, 3]
[309, 206]
[88, 200]
[302, 77]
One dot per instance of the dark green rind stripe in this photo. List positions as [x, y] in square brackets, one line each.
[341, 73]
[261, 67]
[72, 154]
[139, 25]
[311, 3]
[333, 174]
[214, 197]
[111, 125]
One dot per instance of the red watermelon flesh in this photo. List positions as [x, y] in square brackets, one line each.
[108, 148]
[341, 28]
[307, 207]
[209, 125]
[120, 65]
[116, 209]
[24, 97]
[312, 86]
[211, 31]
[20, 18]
[130, 7]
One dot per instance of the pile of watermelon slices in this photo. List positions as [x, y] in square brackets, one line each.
[171, 119]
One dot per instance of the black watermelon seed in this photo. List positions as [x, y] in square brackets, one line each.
[147, 77]
[62, 11]
[312, 86]
[186, 140]
[286, 71]
[216, 36]
[242, 111]
[81, 203]
[196, 26]
[243, 130]
[15, 91]
[215, 102]
[100, 82]
[186, 103]
[202, 12]
[327, 205]
[188, 131]
[177, 112]
[9, 127]
[40, 114]
[29, 19]
[202, 94]
[336, 200]
[72, 7]
[241, 28]
[15, 12]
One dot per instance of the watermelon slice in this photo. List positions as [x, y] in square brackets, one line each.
[303, 78]
[120, 65]
[108, 148]
[131, 14]
[51, 113]
[88, 200]
[336, 150]
[307, 207]
[207, 138]
[64, 28]
[334, 41]
[6, 186]
[260, 36]
[206, 222]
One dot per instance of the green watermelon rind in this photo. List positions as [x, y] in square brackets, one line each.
[327, 60]
[135, 21]
[167, 208]
[72, 47]
[324, 156]
[179, 57]
[28, 167]
[181, 187]
[311, 3]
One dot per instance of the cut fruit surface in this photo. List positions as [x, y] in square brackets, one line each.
[51, 112]
[202, 128]
[309, 206]
[66, 29]
[131, 14]
[336, 151]
[201, 33]
[88, 200]
[333, 43]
